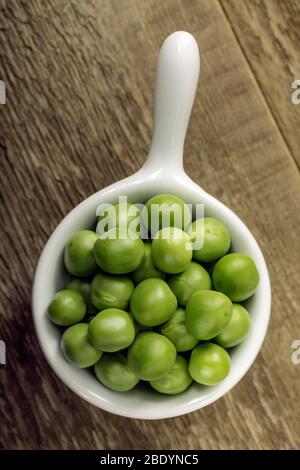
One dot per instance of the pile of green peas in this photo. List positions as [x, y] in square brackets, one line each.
[157, 311]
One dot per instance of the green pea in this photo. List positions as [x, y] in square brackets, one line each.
[237, 329]
[193, 278]
[108, 291]
[177, 380]
[76, 347]
[207, 313]
[122, 214]
[113, 371]
[84, 288]
[209, 364]
[167, 210]
[147, 268]
[215, 237]
[111, 330]
[67, 307]
[151, 356]
[120, 252]
[78, 256]
[152, 302]
[236, 276]
[171, 250]
[176, 331]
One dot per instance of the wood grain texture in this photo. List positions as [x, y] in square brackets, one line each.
[269, 35]
[78, 116]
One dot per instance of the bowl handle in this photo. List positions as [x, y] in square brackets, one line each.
[177, 76]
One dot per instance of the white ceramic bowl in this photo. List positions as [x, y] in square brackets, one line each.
[177, 76]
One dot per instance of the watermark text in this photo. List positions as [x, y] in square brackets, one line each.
[2, 92]
[125, 220]
[295, 357]
[295, 98]
[2, 353]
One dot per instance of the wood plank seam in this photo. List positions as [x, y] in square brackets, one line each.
[262, 94]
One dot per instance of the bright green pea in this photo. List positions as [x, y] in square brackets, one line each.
[151, 356]
[236, 275]
[183, 285]
[167, 210]
[215, 237]
[120, 252]
[122, 214]
[171, 250]
[66, 308]
[152, 302]
[147, 268]
[108, 291]
[177, 380]
[78, 256]
[113, 371]
[207, 313]
[237, 329]
[76, 346]
[176, 331]
[111, 330]
[209, 364]
[84, 288]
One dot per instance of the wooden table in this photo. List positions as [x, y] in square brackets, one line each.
[79, 79]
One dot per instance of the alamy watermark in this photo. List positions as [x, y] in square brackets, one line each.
[295, 356]
[295, 98]
[2, 353]
[124, 220]
[2, 92]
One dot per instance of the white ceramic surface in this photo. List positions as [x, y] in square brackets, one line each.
[177, 77]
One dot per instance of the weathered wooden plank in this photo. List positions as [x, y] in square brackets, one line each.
[269, 35]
